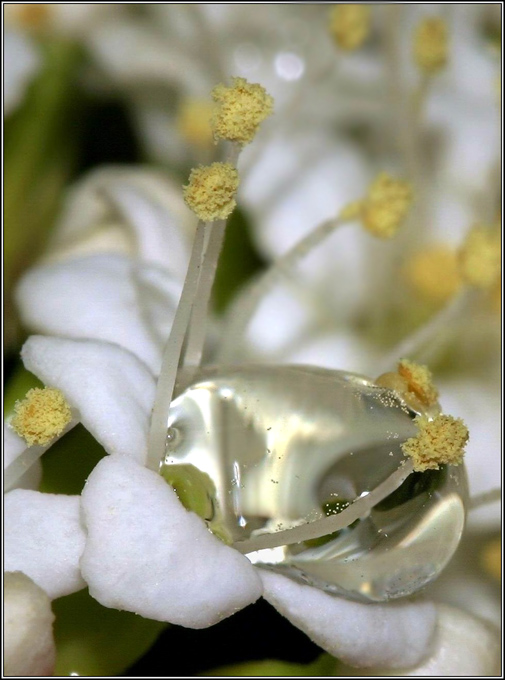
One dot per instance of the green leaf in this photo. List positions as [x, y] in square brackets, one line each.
[323, 666]
[69, 462]
[38, 158]
[238, 262]
[92, 640]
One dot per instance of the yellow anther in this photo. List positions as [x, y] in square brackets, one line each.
[240, 110]
[194, 122]
[440, 441]
[350, 25]
[386, 205]
[351, 211]
[431, 45]
[433, 274]
[491, 559]
[41, 416]
[414, 384]
[419, 381]
[480, 256]
[211, 191]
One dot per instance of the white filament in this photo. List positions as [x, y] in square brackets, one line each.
[435, 333]
[322, 527]
[485, 498]
[173, 352]
[243, 310]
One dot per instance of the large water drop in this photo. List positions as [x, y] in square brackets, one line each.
[273, 447]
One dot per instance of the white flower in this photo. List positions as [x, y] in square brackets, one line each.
[132, 542]
[139, 552]
[29, 646]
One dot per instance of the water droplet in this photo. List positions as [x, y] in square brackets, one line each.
[315, 420]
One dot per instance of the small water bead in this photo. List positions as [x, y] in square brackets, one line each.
[268, 448]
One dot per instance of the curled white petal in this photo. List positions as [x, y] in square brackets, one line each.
[145, 553]
[464, 646]
[29, 648]
[363, 635]
[101, 297]
[144, 210]
[44, 539]
[112, 390]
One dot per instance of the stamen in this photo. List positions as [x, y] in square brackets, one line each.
[433, 274]
[386, 205]
[480, 256]
[41, 416]
[211, 191]
[413, 383]
[432, 337]
[40, 419]
[431, 45]
[197, 325]
[323, 527]
[439, 441]
[350, 25]
[172, 355]
[241, 108]
[194, 122]
[419, 380]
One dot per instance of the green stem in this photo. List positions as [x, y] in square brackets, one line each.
[38, 156]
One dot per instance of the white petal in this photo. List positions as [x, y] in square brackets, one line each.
[22, 61]
[392, 635]
[112, 390]
[14, 446]
[28, 639]
[145, 553]
[479, 405]
[131, 53]
[342, 351]
[464, 583]
[44, 539]
[98, 297]
[145, 206]
[154, 210]
[464, 646]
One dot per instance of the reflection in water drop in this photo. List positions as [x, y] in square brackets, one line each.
[289, 66]
[274, 447]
